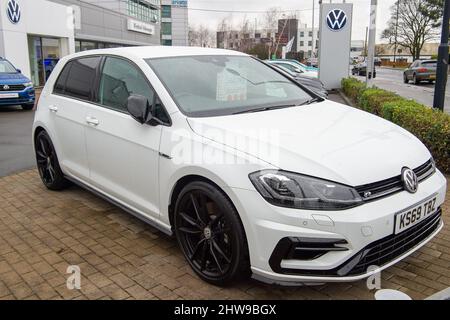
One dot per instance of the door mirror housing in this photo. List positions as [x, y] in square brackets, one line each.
[19, 71]
[140, 109]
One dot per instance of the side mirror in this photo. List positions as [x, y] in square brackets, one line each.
[140, 110]
[19, 71]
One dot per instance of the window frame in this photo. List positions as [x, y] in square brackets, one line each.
[96, 85]
[97, 88]
[92, 91]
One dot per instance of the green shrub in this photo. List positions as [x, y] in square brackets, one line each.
[372, 99]
[431, 126]
[352, 87]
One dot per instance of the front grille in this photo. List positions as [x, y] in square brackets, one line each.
[11, 87]
[378, 253]
[377, 190]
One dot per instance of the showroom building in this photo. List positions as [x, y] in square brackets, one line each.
[35, 34]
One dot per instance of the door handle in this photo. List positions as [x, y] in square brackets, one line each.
[53, 108]
[92, 121]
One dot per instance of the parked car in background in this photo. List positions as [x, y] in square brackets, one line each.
[377, 62]
[294, 68]
[421, 70]
[15, 88]
[313, 84]
[301, 65]
[313, 62]
[360, 69]
[252, 173]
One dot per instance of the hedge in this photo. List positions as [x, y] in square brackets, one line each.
[431, 126]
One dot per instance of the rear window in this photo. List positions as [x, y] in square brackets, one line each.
[60, 84]
[429, 64]
[79, 79]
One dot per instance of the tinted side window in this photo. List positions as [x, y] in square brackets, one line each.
[120, 79]
[60, 84]
[81, 77]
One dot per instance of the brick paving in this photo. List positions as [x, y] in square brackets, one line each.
[43, 232]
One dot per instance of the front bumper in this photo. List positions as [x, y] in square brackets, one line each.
[362, 228]
[26, 96]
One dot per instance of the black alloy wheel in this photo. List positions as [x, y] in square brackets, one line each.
[210, 234]
[47, 163]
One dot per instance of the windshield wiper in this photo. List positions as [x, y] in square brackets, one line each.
[311, 101]
[266, 108]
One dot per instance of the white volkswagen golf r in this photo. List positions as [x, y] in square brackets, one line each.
[251, 171]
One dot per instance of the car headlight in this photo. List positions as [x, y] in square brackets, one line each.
[292, 190]
[28, 84]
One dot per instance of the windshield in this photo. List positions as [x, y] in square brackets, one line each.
[7, 67]
[205, 86]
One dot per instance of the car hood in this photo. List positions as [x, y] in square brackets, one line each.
[310, 74]
[326, 140]
[12, 78]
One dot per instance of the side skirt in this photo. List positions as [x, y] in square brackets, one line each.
[161, 227]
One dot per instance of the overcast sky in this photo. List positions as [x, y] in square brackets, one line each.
[303, 8]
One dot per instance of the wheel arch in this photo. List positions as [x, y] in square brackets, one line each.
[37, 130]
[184, 181]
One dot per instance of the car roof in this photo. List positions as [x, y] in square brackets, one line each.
[148, 52]
[283, 61]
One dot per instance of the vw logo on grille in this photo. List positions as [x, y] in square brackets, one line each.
[13, 11]
[409, 179]
[336, 19]
[5, 87]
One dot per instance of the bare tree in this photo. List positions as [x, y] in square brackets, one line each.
[271, 17]
[201, 37]
[414, 27]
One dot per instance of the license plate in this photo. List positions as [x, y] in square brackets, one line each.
[432, 77]
[415, 214]
[8, 95]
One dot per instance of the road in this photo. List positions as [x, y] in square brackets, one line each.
[16, 150]
[392, 80]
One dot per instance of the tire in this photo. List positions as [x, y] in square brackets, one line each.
[47, 162]
[210, 234]
[27, 107]
[405, 78]
[415, 80]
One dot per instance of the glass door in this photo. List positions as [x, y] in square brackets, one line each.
[50, 54]
[44, 54]
[35, 53]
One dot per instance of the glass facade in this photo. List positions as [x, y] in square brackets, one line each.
[166, 28]
[166, 11]
[166, 42]
[83, 45]
[147, 11]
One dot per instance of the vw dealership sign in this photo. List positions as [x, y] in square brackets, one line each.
[336, 19]
[13, 11]
[334, 43]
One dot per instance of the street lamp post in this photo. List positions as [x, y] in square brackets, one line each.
[442, 67]
[396, 34]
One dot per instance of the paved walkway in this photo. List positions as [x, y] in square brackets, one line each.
[43, 232]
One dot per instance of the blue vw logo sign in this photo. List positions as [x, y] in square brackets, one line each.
[336, 19]
[13, 11]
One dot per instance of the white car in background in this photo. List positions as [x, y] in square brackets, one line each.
[294, 67]
[253, 173]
